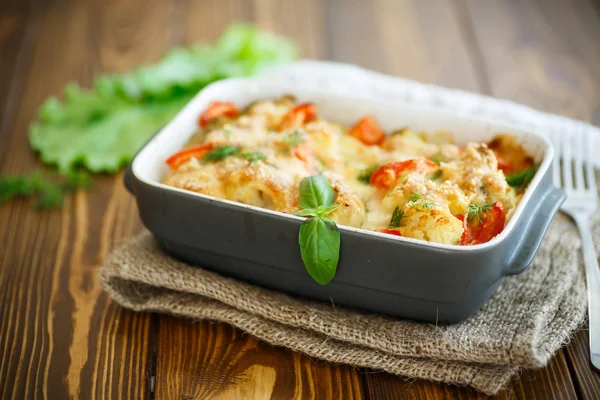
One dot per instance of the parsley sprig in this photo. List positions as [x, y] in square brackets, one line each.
[416, 200]
[45, 192]
[319, 237]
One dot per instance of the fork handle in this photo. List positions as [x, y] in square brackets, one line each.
[592, 274]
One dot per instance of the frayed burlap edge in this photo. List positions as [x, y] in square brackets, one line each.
[486, 378]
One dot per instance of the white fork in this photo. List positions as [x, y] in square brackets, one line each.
[573, 171]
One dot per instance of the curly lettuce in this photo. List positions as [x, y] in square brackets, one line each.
[100, 129]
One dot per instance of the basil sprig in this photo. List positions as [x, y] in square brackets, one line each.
[319, 237]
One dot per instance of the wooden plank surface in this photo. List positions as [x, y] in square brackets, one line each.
[61, 337]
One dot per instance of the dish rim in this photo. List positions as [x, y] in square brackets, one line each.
[206, 94]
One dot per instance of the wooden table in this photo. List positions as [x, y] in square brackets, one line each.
[61, 336]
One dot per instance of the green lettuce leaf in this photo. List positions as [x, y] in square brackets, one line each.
[101, 128]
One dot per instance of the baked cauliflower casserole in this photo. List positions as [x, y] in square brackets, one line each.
[404, 183]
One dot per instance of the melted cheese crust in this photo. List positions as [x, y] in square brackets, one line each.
[430, 205]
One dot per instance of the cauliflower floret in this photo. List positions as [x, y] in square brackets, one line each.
[445, 194]
[260, 185]
[352, 210]
[197, 177]
[429, 209]
[476, 173]
[435, 225]
[267, 113]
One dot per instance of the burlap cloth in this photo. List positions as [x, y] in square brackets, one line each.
[524, 323]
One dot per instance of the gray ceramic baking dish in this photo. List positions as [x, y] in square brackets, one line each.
[376, 272]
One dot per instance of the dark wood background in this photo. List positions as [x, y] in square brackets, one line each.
[61, 336]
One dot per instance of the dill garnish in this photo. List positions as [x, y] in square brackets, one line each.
[475, 210]
[397, 216]
[415, 200]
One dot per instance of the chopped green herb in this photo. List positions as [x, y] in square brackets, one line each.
[366, 174]
[78, 179]
[434, 176]
[45, 192]
[397, 216]
[520, 180]
[253, 156]
[50, 196]
[415, 200]
[439, 157]
[475, 210]
[220, 153]
[293, 139]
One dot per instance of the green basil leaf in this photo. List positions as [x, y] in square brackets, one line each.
[315, 191]
[253, 157]
[328, 210]
[520, 180]
[366, 173]
[220, 153]
[434, 175]
[307, 212]
[319, 241]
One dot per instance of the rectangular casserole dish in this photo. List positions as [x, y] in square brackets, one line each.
[376, 272]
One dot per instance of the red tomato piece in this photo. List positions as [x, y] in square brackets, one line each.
[218, 109]
[503, 163]
[390, 231]
[303, 152]
[368, 131]
[464, 239]
[493, 223]
[476, 232]
[298, 116]
[386, 176]
[185, 155]
[510, 155]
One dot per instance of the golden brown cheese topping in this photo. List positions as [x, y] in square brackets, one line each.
[405, 184]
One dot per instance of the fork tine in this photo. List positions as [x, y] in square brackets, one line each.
[567, 161]
[578, 157]
[589, 167]
[556, 160]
